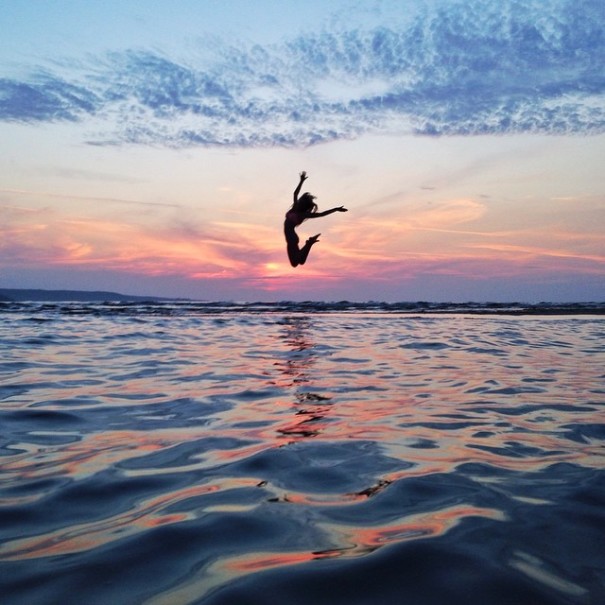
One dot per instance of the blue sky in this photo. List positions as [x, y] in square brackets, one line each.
[153, 147]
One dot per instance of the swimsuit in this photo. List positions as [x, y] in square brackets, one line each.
[293, 219]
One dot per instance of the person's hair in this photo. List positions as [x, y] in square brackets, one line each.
[305, 203]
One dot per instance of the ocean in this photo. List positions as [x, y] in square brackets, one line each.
[301, 453]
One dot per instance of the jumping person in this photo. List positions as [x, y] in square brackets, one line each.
[302, 209]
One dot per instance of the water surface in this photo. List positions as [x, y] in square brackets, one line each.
[176, 454]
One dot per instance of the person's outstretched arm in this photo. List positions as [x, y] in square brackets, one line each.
[303, 178]
[326, 212]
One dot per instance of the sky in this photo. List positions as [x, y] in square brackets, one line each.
[152, 148]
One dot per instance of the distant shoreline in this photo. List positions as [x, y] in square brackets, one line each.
[41, 295]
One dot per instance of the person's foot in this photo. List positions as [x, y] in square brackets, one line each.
[313, 239]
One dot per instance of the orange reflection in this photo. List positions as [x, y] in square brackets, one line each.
[251, 563]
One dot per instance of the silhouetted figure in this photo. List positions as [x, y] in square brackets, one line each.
[302, 209]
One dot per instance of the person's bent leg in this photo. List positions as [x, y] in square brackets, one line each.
[304, 251]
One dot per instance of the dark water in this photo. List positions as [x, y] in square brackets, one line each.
[172, 454]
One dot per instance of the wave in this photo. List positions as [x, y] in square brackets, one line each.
[188, 308]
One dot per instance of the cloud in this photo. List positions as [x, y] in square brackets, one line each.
[452, 68]
[46, 97]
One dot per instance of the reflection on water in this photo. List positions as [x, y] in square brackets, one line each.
[298, 369]
[199, 458]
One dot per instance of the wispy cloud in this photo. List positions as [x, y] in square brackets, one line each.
[171, 247]
[456, 68]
